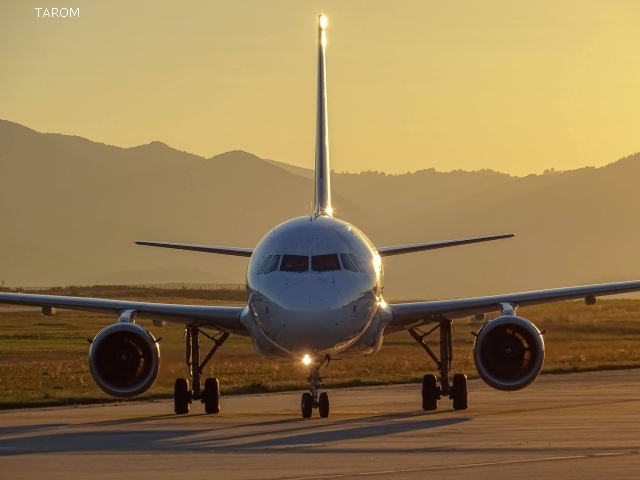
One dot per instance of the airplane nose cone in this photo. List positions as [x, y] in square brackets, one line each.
[307, 315]
[311, 296]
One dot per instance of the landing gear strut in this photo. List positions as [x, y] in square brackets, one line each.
[312, 399]
[210, 395]
[431, 392]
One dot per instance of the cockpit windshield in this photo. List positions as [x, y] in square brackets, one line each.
[325, 263]
[357, 262]
[294, 263]
[265, 264]
[347, 264]
[319, 263]
[273, 265]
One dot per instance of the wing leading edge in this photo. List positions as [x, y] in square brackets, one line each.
[218, 317]
[408, 315]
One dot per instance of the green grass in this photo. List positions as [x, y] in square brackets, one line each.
[43, 360]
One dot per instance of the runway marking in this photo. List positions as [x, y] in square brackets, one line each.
[464, 465]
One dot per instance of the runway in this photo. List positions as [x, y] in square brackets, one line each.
[566, 426]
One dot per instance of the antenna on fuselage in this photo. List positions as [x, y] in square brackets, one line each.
[322, 197]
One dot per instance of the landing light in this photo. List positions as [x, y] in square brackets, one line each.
[306, 360]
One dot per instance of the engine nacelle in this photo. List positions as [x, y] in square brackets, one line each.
[508, 352]
[124, 360]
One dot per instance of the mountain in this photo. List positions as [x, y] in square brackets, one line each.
[300, 171]
[19, 262]
[90, 202]
[71, 208]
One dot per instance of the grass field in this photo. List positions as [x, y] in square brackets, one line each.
[43, 359]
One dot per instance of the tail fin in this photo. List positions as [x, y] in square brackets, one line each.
[322, 197]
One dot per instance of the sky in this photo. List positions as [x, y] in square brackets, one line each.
[515, 86]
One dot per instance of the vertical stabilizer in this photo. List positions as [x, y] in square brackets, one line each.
[322, 198]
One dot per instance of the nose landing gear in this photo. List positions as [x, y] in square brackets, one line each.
[431, 392]
[312, 399]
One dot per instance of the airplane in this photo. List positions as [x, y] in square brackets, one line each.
[315, 294]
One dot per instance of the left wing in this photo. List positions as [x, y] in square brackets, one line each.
[226, 319]
[409, 315]
[235, 251]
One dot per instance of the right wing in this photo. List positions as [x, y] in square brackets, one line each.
[238, 252]
[226, 319]
[418, 247]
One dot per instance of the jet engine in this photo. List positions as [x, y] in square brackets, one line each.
[124, 360]
[508, 352]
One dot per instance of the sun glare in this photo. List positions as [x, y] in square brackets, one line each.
[377, 262]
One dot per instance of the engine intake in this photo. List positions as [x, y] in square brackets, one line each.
[508, 352]
[124, 360]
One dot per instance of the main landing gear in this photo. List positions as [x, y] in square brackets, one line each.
[312, 399]
[210, 395]
[431, 392]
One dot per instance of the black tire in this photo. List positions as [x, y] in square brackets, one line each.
[459, 392]
[430, 392]
[211, 396]
[181, 396]
[324, 405]
[306, 405]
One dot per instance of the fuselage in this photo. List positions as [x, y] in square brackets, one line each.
[315, 284]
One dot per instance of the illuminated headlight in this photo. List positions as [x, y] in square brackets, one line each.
[306, 359]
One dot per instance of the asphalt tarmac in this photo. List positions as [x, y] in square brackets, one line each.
[564, 426]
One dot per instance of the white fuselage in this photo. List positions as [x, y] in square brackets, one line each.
[314, 285]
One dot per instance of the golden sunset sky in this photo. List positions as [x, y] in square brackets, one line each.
[515, 86]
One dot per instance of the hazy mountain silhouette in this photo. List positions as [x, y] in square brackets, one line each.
[90, 202]
[22, 264]
[70, 210]
[300, 171]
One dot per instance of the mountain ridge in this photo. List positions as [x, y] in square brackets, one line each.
[85, 203]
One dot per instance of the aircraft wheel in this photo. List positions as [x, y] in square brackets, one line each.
[211, 395]
[429, 392]
[324, 405]
[306, 405]
[181, 396]
[459, 392]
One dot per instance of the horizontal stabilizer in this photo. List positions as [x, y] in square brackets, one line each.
[418, 247]
[238, 252]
